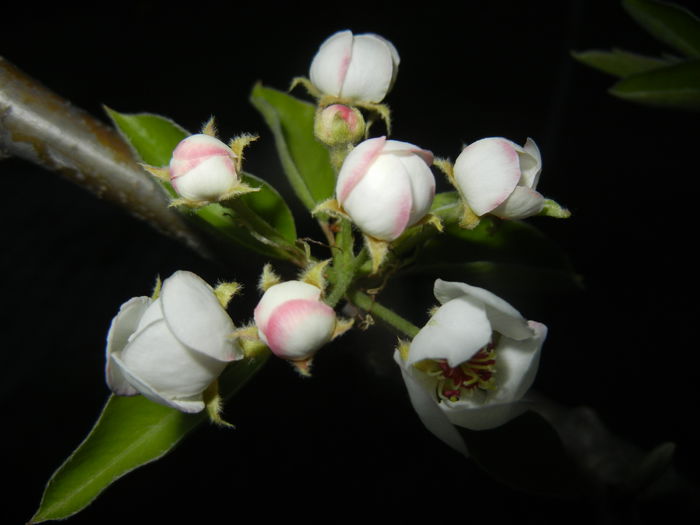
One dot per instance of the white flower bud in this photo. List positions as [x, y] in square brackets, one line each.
[495, 175]
[293, 321]
[203, 168]
[172, 348]
[361, 67]
[385, 186]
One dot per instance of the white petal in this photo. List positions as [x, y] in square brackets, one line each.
[189, 405]
[486, 172]
[503, 317]
[419, 387]
[422, 183]
[171, 369]
[356, 165]
[517, 363]
[371, 70]
[406, 148]
[196, 317]
[123, 325]
[485, 416]
[530, 164]
[299, 327]
[153, 313]
[457, 331]
[329, 66]
[279, 294]
[381, 203]
[208, 180]
[522, 203]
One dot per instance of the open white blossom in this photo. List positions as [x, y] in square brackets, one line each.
[172, 348]
[471, 364]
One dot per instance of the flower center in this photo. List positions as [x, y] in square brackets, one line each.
[477, 374]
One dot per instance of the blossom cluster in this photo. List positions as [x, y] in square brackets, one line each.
[472, 363]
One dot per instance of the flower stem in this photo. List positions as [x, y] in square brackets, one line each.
[391, 318]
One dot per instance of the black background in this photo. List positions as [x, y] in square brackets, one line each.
[346, 442]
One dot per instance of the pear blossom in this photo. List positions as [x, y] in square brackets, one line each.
[293, 321]
[471, 364]
[497, 176]
[360, 67]
[203, 168]
[170, 349]
[385, 186]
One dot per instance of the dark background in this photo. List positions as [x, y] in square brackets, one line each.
[346, 442]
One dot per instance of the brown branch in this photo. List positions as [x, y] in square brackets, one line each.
[43, 128]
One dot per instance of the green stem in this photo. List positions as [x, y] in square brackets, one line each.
[391, 318]
[345, 264]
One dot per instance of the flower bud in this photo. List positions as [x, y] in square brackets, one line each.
[361, 67]
[495, 175]
[203, 168]
[385, 186]
[338, 124]
[293, 321]
[170, 349]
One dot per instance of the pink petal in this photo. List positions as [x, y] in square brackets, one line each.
[356, 165]
[297, 328]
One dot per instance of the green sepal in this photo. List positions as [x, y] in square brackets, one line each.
[620, 63]
[306, 162]
[130, 432]
[154, 138]
[447, 206]
[668, 23]
[676, 86]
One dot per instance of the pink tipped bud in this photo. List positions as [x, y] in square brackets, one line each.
[361, 67]
[497, 176]
[293, 321]
[203, 168]
[337, 124]
[386, 186]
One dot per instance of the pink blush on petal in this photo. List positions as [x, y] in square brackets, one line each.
[403, 214]
[290, 317]
[361, 167]
[193, 150]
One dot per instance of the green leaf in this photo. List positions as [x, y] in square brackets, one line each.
[130, 432]
[618, 62]
[667, 22]
[154, 138]
[306, 161]
[267, 204]
[527, 454]
[676, 86]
